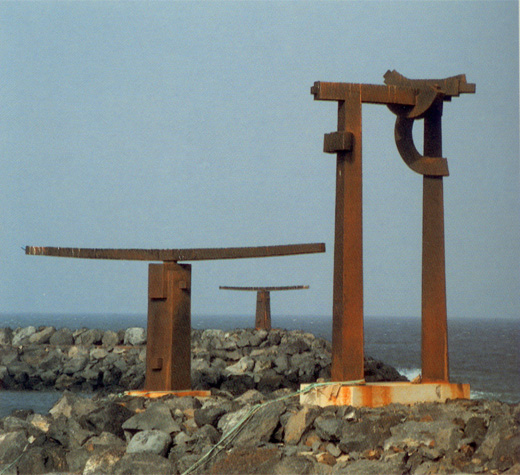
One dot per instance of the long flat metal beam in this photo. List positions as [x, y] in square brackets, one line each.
[176, 255]
[268, 289]
[369, 93]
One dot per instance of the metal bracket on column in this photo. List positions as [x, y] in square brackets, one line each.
[433, 166]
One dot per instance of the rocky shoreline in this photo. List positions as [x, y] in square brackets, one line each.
[251, 423]
[93, 360]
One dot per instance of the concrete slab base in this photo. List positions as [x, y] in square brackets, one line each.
[383, 393]
[156, 394]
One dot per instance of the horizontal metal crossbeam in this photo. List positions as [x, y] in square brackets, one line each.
[176, 255]
[267, 289]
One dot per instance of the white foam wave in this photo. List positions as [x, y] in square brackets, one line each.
[410, 373]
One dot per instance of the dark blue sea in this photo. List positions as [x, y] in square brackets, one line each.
[482, 352]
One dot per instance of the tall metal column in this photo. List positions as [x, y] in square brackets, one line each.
[434, 341]
[263, 310]
[347, 310]
[168, 359]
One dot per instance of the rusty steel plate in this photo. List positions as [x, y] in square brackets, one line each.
[177, 255]
[268, 289]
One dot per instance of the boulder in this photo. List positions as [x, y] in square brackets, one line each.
[154, 441]
[329, 427]
[6, 336]
[108, 418]
[42, 337]
[62, 337]
[21, 335]
[298, 423]
[140, 464]
[110, 339]
[12, 444]
[156, 417]
[88, 337]
[247, 460]
[261, 425]
[103, 462]
[135, 336]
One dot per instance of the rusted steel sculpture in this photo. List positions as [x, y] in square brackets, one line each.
[409, 100]
[168, 351]
[263, 302]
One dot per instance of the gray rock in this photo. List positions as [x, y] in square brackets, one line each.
[110, 339]
[298, 423]
[62, 337]
[186, 461]
[77, 458]
[103, 462]
[77, 362]
[104, 440]
[261, 425]
[506, 453]
[329, 427]
[135, 336]
[292, 465]
[88, 337]
[48, 459]
[412, 434]
[368, 467]
[42, 337]
[12, 445]
[232, 419]
[153, 441]
[207, 434]
[209, 415]
[243, 365]
[243, 460]
[156, 417]
[21, 335]
[183, 403]
[108, 418]
[251, 397]
[6, 335]
[475, 430]
[141, 463]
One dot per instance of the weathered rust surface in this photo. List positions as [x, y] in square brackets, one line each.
[369, 93]
[383, 394]
[283, 287]
[263, 302]
[168, 352]
[168, 357]
[263, 310]
[434, 327]
[177, 255]
[410, 99]
[423, 164]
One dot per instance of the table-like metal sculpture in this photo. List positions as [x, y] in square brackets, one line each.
[168, 350]
[263, 302]
[409, 100]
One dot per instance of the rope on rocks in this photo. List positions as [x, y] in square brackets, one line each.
[227, 438]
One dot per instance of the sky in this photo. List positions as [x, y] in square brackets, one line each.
[191, 124]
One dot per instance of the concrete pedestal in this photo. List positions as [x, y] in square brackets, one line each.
[384, 393]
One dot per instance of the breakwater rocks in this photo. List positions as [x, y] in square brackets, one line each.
[234, 361]
[258, 433]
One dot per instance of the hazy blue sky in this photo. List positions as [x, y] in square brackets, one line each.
[191, 124]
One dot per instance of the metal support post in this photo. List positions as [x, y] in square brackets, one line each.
[263, 310]
[168, 351]
[434, 341]
[347, 310]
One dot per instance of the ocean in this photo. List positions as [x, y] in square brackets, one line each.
[482, 352]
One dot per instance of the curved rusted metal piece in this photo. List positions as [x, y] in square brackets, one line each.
[424, 99]
[432, 166]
